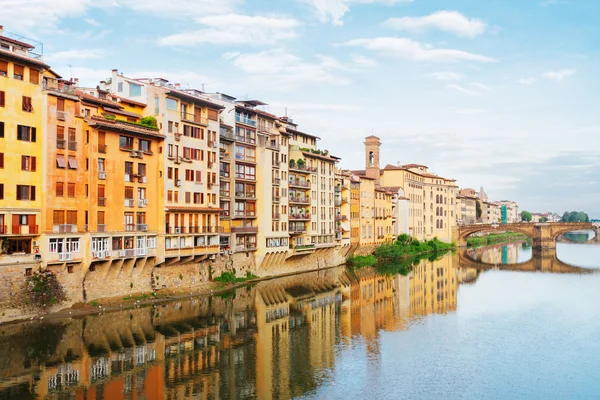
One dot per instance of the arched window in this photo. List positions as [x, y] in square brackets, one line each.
[371, 159]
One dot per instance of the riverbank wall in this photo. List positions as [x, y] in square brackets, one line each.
[122, 279]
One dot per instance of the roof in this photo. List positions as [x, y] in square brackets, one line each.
[290, 130]
[390, 167]
[17, 42]
[93, 99]
[359, 172]
[393, 188]
[408, 166]
[322, 157]
[190, 97]
[122, 126]
[129, 101]
[252, 102]
[121, 112]
[25, 59]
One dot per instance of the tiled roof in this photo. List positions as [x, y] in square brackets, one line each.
[121, 112]
[290, 130]
[321, 157]
[122, 126]
[17, 42]
[129, 101]
[93, 99]
[193, 209]
[25, 59]
[194, 99]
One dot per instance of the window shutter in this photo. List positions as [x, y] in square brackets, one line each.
[31, 220]
[33, 162]
[23, 163]
[2, 99]
[32, 193]
[15, 220]
[1, 160]
[33, 134]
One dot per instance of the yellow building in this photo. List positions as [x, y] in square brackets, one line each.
[21, 150]
[344, 230]
[432, 197]
[433, 287]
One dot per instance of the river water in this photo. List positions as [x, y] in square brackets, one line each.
[460, 327]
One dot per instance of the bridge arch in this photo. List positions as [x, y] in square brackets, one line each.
[465, 231]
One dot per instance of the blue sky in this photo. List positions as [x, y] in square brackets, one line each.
[499, 93]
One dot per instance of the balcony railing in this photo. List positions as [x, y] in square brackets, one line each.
[102, 201]
[129, 202]
[101, 227]
[272, 145]
[250, 214]
[244, 229]
[224, 174]
[245, 139]
[293, 182]
[141, 227]
[298, 199]
[245, 120]
[245, 177]
[61, 144]
[276, 181]
[245, 247]
[102, 175]
[102, 148]
[248, 196]
[129, 228]
[276, 215]
[243, 158]
[302, 168]
[226, 133]
[64, 228]
[61, 115]
[225, 214]
[297, 229]
[25, 230]
[300, 216]
[73, 146]
[276, 163]
[190, 117]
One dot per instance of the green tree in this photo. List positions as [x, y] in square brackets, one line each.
[543, 219]
[526, 216]
[149, 121]
[565, 217]
[478, 210]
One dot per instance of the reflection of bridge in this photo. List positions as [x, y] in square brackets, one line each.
[543, 235]
[541, 260]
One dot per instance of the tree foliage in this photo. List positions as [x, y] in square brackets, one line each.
[149, 121]
[575, 216]
[526, 216]
[478, 210]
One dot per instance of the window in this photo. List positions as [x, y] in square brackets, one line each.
[34, 76]
[71, 189]
[25, 133]
[26, 104]
[141, 169]
[25, 192]
[171, 104]
[72, 162]
[60, 161]
[60, 189]
[28, 163]
[1, 191]
[2, 98]
[144, 145]
[135, 90]
[3, 68]
[1, 129]
[60, 104]
[120, 87]
[20, 246]
[19, 71]
[151, 242]
[1, 160]
[126, 142]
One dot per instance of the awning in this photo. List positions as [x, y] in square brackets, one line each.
[345, 226]
[72, 162]
[60, 161]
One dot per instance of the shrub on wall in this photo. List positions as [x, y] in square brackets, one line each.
[42, 290]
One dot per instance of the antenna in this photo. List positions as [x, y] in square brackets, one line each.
[286, 111]
[70, 72]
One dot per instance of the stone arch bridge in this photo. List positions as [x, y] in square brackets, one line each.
[543, 235]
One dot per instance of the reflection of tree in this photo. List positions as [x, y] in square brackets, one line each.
[39, 345]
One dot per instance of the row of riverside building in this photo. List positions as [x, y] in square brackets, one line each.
[142, 169]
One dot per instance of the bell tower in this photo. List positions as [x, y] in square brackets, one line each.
[372, 146]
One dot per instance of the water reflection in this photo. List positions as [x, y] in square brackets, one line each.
[502, 254]
[277, 339]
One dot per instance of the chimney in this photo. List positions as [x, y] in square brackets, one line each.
[177, 85]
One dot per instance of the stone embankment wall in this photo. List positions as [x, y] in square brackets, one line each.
[121, 278]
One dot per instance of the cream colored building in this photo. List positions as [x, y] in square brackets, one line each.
[491, 212]
[512, 211]
[431, 197]
[466, 209]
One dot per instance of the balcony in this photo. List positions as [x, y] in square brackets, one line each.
[142, 203]
[300, 184]
[246, 177]
[246, 196]
[245, 214]
[245, 120]
[302, 168]
[246, 159]
[272, 145]
[249, 230]
[246, 247]
[73, 146]
[64, 228]
[224, 174]
[61, 144]
[225, 214]
[299, 200]
[102, 175]
[246, 139]
[276, 198]
[223, 155]
[61, 115]
[102, 148]
[141, 227]
[129, 228]
[300, 217]
[129, 203]
[194, 118]
[304, 248]
[338, 217]
[226, 134]
[276, 181]
[101, 227]
[142, 179]
[25, 230]
[212, 145]
[276, 216]
[297, 229]
[276, 164]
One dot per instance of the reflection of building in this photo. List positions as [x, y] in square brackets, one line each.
[433, 287]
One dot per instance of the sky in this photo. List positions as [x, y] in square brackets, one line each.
[503, 94]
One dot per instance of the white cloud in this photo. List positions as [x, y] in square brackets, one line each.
[480, 86]
[334, 10]
[70, 55]
[415, 51]
[44, 15]
[462, 89]
[447, 21]
[559, 75]
[365, 62]
[527, 81]
[92, 21]
[235, 29]
[446, 76]
[278, 68]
